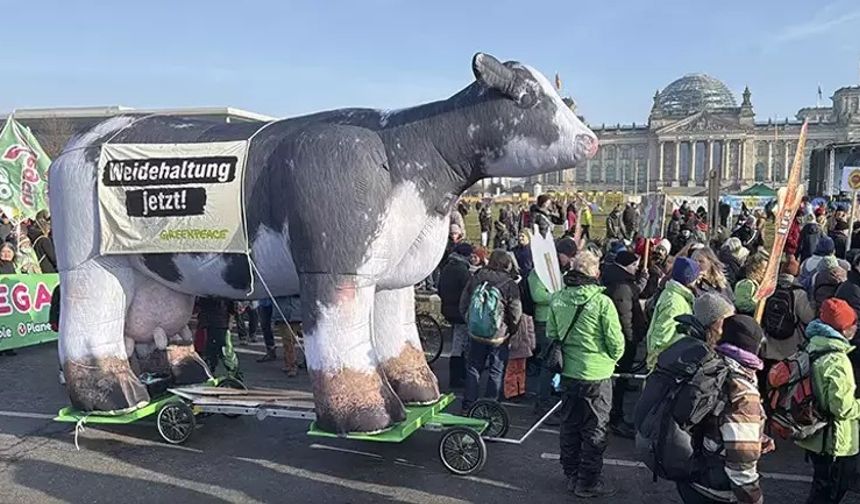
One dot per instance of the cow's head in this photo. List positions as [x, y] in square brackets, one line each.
[533, 130]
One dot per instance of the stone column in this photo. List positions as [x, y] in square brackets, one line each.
[662, 159]
[677, 165]
[710, 157]
[691, 178]
[748, 171]
[769, 172]
[786, 169]
[724, 159]
[603, 166]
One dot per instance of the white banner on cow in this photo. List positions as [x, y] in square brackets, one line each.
[159, 198]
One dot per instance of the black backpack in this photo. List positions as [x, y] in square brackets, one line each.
[685, 387]
[780, 321]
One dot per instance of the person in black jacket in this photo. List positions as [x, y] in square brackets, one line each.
[810, 233]
[624, 282]
[43, 243]
[452, 281]
[484, 354]
[546, 214]
[485, 219]
[214, 317]
[849, 291]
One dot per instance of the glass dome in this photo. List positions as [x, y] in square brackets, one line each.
[694, 93]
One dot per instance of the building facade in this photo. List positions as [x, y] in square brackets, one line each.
[696, 126]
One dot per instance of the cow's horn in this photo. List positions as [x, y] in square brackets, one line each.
[494, 74]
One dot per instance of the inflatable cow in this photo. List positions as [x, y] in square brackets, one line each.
[349, 207]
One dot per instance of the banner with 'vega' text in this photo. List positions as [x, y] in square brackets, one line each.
[160, 198]
[25, 305]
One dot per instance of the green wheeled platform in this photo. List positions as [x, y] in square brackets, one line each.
[461, 447]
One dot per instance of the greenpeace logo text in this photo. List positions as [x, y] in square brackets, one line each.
[170, 171]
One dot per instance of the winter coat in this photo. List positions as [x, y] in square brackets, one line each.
[849, 291]
[630, 220]
[809, 236]
[214, 312]
[43, 247]
[676, 299]
[613, 226]
[824, 285]
[544, 220]
[523, 255]
[774, 349]
[452, 281]
[485, 219]
[809, 268]
[513, 308]
[731, 438]
[540, 296]
[733, 267]
[522, 342]
[623, 289]
[586, 216]
[750, 238]
[592, 346]
[792, 239]
[833, 383]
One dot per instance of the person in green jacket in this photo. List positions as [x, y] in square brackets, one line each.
[676, 299]
[833, 450]
[585, 320]
[566, 249]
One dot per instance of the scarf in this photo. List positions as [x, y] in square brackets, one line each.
[744, 358]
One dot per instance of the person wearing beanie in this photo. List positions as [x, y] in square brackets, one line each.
[706, 322]
[586, 322]
[839, 234]
[849, 290]
[624, 281]
[452, 281]
[826, 280]
[810, 234]
[833, 450]
[745, 301]
[491, 354]
[809, 267]
[735, 437]
[676, 299]
[733, 255]
[566, 249]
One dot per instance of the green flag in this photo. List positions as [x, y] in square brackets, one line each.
[23, 172]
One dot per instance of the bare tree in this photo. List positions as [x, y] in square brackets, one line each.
[53, 133]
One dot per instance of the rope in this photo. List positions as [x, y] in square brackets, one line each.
[275, 304]
[79, 428]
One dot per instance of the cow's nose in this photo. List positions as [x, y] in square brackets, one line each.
[590, 144]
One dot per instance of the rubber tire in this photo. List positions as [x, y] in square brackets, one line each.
[166, 417]
[232, 383]
[451, 436]
[429, 324]
[495, 413]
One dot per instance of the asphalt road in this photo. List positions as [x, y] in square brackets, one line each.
[246, 460]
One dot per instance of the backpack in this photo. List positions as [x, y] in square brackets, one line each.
[486, 310]
[780, 321]
[685, 387]
[792, 410]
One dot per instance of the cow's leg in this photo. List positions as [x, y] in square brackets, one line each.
[92, 315]
[398, 348]
[351, 393]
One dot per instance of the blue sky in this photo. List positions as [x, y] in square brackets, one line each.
[287, 57]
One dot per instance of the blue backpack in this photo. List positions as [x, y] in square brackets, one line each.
[486, 309]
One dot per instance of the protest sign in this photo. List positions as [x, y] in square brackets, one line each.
[25, 303]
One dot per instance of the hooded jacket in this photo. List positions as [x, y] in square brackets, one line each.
[452, 281]
[540, 297]
[809, 236]
[594, 344]
[513, 308]
[834, 386]
[622, 288]
[774, 349]
[675, 300]
[733, 267]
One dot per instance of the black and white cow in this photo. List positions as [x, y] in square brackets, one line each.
[349, 207]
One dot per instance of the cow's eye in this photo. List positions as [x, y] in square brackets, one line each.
[527, 100]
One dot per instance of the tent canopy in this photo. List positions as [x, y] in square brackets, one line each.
[758, 190]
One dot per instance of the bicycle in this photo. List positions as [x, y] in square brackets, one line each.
[431, 336]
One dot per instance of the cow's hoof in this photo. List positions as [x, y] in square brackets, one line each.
[354, 401]
[186, 366]
[103, 384]
[411, 377]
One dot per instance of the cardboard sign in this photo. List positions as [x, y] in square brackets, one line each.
[161, 198]
[653, 215]
[850, 179]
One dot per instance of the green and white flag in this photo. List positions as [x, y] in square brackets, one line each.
[23, 172]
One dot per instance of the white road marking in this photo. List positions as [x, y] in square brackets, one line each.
[632, 463]
[390, 492]
[494, 483]
[23, 414]
[316, 446]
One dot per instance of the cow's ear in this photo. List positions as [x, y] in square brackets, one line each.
[493, 73]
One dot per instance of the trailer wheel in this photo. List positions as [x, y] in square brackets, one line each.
[462, 451]
[175, 422]
[495, 414]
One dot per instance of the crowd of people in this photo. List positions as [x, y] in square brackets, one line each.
[685, 299]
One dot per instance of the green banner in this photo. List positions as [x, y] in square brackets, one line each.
[25, 304]
[23, 172]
